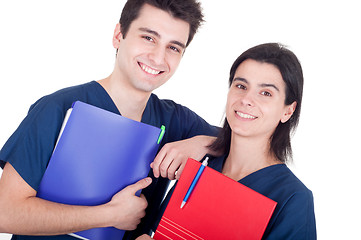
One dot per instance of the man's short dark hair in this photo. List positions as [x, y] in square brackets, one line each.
[189, 11]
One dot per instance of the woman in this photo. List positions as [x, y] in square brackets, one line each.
[263, 109]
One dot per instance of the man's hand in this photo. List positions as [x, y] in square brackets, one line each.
[127, 208]
[144, 237]
[23, 213]
[171, 159]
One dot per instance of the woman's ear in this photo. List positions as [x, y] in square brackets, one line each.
[289, 110]
[117, 36]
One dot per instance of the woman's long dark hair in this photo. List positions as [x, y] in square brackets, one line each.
[291, 71]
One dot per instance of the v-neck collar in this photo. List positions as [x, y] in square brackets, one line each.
[217, 164]
[104, 94]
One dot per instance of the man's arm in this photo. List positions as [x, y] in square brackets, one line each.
[25, 214]
[171, 159]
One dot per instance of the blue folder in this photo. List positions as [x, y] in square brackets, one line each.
[98, 153]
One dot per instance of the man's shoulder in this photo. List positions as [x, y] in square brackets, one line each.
[64, 97]
[177, 118]
[166, 104]
[72, 91]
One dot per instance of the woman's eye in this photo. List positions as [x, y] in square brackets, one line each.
[241, 86]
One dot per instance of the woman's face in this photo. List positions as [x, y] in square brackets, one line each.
[256, 100]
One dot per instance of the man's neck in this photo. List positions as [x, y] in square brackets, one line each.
[130, 103]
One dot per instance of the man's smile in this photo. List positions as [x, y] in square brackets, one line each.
[149, 70]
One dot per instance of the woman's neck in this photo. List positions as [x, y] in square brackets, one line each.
[247, 155]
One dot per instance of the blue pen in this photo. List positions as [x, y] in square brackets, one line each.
[194, 182]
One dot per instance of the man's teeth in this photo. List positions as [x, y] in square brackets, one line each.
[149, 70]
[243, 115]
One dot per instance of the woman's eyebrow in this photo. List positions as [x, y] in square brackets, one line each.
[269, 85]
[262, 85]
[240, 79]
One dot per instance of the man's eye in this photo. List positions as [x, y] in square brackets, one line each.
[267, 94]
[174, 49]
[148, 38]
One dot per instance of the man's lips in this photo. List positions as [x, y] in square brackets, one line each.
[149, 70]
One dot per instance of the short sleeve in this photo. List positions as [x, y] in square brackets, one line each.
[296, 219]
[190, 124]
[29, 149]
[180, 122]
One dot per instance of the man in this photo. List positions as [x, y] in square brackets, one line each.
[150, 39]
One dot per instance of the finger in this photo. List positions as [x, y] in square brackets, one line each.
[144, 237]
[141, 184]
[171, 174]
[173, 168]
[157, 161]
[166, 163]
[180, 170]
[142, 196]
[145, 202]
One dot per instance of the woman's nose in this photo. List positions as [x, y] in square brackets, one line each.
[247, 99]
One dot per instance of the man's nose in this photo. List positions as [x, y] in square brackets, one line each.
[157, 55]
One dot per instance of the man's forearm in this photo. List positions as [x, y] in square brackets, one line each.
[23, 213]
[35, 216]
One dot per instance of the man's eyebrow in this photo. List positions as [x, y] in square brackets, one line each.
[155, 33]
[182, 45]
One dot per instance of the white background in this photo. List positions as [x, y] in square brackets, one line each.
[48, 45]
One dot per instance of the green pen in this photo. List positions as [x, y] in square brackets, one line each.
[161, 134]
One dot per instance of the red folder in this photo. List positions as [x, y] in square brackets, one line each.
[218, 208]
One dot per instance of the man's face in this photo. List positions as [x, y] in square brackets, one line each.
[152, 49]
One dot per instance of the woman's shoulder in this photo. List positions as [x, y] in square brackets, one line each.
[294, 216]
[277, 182]
[289, 180]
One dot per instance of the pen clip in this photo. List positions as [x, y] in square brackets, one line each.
[205, 161]
[161, 134]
